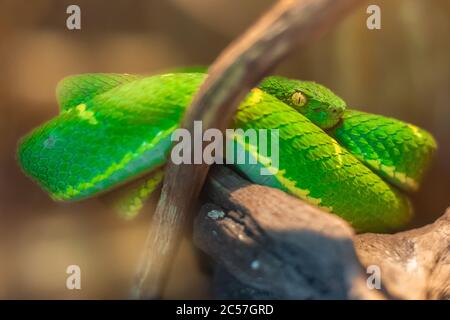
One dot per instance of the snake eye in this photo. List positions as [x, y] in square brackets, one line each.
[299, 99]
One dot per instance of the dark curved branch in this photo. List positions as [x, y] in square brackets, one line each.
[268, 244]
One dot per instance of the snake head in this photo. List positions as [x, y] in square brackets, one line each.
[316, 102]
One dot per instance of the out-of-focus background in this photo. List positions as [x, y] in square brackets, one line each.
[401, 70]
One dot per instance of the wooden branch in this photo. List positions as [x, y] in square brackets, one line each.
[415, 264]
[240, 67]
[268, 244]
[275, 243]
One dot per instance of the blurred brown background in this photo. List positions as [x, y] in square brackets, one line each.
[401, 70]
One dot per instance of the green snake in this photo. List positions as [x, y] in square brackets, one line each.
[116, 128]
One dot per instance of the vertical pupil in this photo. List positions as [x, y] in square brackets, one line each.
[298, 98]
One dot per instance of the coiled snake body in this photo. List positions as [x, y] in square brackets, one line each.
[113, 128]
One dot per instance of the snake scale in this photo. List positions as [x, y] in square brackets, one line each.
[115, 128]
